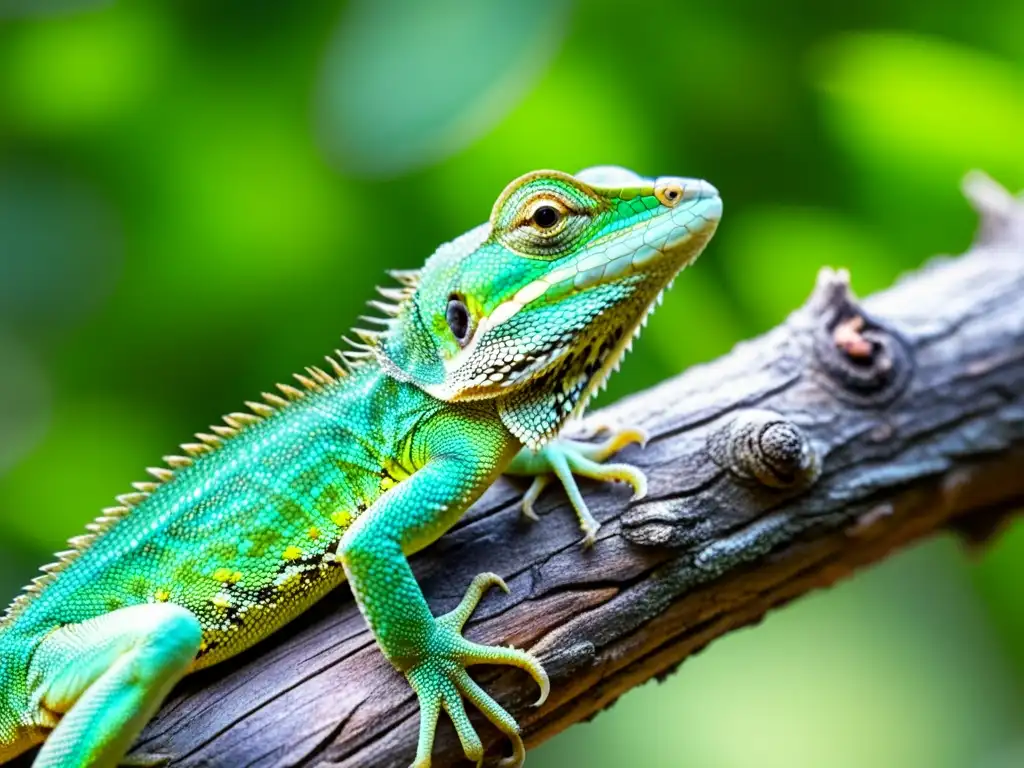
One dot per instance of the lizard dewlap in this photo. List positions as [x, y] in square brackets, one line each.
[473, 367]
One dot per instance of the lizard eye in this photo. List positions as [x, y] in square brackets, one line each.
[544, 224]
[546, 216]
[457, 316]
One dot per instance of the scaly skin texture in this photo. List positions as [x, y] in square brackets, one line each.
[481, 358]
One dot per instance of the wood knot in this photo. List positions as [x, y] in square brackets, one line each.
[862, 361]
[765, 447]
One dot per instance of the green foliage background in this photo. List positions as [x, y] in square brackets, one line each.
[196, 197]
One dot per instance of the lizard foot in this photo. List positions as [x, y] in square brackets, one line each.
[441, 681]
[563, 458]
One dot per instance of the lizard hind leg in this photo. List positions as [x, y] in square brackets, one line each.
[106, 677]
[563, 459]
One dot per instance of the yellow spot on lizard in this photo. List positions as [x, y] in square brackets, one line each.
[222, 574]
[292, 553]
[341, 518]
[313, 532]
[162, 596]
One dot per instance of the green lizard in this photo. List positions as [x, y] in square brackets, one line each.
[482, 356]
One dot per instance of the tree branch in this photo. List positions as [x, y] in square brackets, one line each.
[843, 434]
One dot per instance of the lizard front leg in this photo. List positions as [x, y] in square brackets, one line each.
[432, 652]
[563, 458]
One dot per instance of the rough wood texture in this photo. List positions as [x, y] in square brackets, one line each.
[846, 432]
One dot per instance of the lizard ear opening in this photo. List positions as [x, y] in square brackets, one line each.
[460, 323]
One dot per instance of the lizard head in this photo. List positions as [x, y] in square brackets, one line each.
[535, 308]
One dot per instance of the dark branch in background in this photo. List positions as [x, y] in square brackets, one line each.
[843, 434]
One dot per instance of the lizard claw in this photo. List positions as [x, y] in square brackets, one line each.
[563, 458]
[540, 482]
[441, 681]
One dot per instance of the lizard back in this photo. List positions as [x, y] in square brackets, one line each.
[243, 535]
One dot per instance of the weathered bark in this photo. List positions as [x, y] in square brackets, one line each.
[825, 444]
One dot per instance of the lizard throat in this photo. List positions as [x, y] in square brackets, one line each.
[536, 410]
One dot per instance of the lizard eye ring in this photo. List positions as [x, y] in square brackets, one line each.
[545, 215]
[542, 223]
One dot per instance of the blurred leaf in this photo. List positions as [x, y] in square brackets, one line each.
[24, 402]
[74, 73]
[93, 451]
[240, 207]
[1005, 756]
[535, 135]
[924, 105]
[999, 576]
[407, 83]
[21, 8]
[916, 113]
[773, 256]
[1003, 25]
[694, 324]
[252, 201]
[60, 248]
[698, 74]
